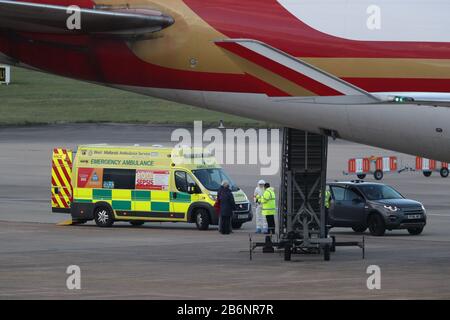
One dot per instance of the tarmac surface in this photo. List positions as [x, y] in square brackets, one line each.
[176, 261]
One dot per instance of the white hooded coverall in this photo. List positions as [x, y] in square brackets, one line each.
[261, 221]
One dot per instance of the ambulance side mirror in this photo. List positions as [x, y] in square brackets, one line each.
[193, 188]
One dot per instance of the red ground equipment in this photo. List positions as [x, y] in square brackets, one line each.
[377, 166]
[427, 167]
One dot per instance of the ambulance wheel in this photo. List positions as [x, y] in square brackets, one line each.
[444, 172]
[361, 176]
[378, 175]
[202, 219]
[427, 173]
[236, 225]
[103, 217]
[137, 223]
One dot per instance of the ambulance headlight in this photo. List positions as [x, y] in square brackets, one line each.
[213, 197]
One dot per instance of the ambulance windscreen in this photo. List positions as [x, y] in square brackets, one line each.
[212, 179]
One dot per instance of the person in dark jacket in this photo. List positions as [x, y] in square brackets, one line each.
[227, 207]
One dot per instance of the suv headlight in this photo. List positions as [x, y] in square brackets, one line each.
[391, 208]
[423, 208]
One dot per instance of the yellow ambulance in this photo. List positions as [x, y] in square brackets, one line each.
[139, 184]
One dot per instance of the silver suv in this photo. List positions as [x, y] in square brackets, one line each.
[360, 205]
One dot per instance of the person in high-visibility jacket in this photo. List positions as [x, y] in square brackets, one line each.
[327, 199]
[327, 204]
[269, 206]
[261, 222]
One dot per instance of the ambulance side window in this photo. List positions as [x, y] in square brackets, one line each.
[181, 181]
[119, 179]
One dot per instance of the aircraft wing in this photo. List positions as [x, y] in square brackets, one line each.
[328, 88]
[437, 99]
[106, 22]
[296, 71]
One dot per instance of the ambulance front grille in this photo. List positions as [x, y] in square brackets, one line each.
[242, 207]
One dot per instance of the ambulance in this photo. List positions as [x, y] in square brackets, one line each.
[138, 184]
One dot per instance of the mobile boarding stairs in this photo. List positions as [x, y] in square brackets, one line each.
[302, 216]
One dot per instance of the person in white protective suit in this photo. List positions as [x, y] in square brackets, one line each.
[261, 222]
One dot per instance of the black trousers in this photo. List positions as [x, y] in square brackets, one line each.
[271, 223]
[225, 224]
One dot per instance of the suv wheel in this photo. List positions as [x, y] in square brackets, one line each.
[415, 231]
[103, 217]
[361, 176]
[376, 225]
[444, 172]
[202, 219]
[359, 229]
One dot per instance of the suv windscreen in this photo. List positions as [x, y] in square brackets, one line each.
[212, 179]
[380, 192]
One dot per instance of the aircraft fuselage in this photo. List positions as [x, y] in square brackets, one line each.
[384, 47]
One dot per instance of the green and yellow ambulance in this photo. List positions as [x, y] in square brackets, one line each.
[139, 184]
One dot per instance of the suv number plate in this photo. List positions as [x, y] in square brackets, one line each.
[415, 216]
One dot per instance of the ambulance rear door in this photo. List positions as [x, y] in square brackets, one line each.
[61, 192]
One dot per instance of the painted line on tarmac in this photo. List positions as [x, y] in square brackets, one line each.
[17, 199]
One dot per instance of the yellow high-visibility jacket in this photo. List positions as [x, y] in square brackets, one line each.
[268, 201]
[327, 199]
